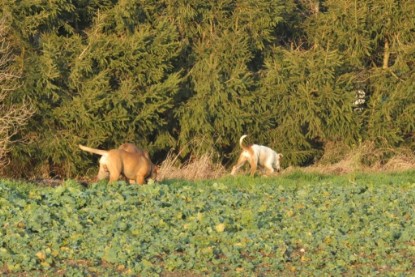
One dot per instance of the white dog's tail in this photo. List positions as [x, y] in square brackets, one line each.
[241, 141]
[93, 150]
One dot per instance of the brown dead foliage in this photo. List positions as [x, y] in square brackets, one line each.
[338, 159]
[195, 169]
[341, 159]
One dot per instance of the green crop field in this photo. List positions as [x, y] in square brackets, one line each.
[296, 224]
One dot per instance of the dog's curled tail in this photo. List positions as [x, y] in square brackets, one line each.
[93, 150]
[241, 141]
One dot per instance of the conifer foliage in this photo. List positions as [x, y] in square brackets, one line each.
[311, 100]
[193, 76]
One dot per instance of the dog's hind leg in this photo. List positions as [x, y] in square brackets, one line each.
[236, 167]
[140, 179]
[103, 172]
[241, 161]
[115, 172]
[114, 176]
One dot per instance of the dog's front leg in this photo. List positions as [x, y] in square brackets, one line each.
[114, 175]
[253, 168]
[253, 163]
[269, 170]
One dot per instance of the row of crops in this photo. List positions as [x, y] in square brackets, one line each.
[294, 224]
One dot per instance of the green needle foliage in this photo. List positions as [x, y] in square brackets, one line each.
[312, 98]
[193, 76]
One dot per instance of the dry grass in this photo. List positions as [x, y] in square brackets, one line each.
[401, 162]
[196, 169]
[338, 159]
[365, 158]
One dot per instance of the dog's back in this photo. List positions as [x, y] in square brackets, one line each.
[263, 153]
[267, 156]
[129, 147]
[137, 164]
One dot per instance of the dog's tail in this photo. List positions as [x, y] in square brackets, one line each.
[93, 150]
[241, 142]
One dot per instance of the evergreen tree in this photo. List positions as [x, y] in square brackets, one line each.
[377, 41]
[226, 45]
[391, 107]
[114, 83]
[222, 105]
[195, 75]
[310, 100]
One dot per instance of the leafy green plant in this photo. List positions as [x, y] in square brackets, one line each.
[294, 224]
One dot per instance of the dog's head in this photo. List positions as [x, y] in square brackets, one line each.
[278, 157]
[153, 172]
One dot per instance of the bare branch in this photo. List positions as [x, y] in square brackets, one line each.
[12, 117]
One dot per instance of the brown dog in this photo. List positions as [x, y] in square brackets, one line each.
[134, 166]
[103, 172]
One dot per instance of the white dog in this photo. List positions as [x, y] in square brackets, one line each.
[258, 155]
